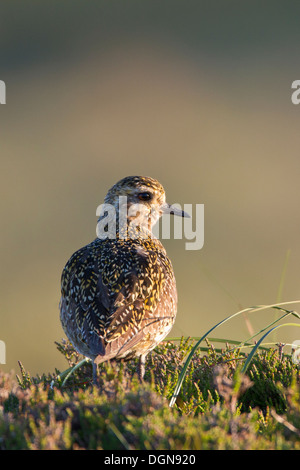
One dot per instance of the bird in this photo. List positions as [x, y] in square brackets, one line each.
[118, 293]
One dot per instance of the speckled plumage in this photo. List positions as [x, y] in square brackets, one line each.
[118, 296]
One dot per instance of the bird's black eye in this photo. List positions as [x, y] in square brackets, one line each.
[145, 196]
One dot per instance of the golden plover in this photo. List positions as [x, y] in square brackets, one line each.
[118, 293]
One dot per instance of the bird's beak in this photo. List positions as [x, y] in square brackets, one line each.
[170, 209]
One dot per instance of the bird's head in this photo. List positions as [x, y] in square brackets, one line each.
[141, 200]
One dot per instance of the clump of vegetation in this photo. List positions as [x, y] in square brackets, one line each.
[217, 407]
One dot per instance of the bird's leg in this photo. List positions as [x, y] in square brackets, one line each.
[95, 373]
[141, 367]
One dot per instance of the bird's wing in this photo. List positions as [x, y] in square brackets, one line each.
[113, 293]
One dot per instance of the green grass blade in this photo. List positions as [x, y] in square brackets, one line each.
[249, 358]
[189, 358]
[68, 372]
[288, 312]
[120, 436]
[75, 368]
[230, 317]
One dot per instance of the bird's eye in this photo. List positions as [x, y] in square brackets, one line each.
[145, 196]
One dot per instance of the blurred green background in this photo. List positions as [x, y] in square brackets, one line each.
[194, 93]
